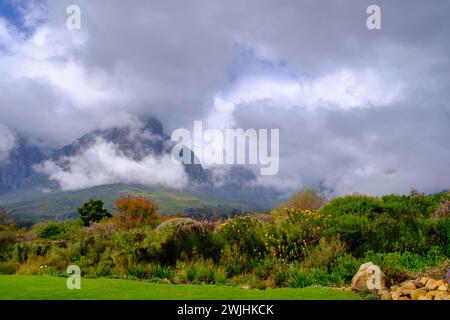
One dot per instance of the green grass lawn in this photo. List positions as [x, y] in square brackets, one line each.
[53, 288]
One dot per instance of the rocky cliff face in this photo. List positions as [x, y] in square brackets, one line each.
[17, 168]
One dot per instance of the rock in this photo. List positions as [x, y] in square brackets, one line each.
[442, 287]
[423, 288]
[360, 280]
[418, 293]
[394, 288]
[422, 281]
[437, 284]
[430, 284]
[409, 285]
[440, 295]
[406, 292]
[385, 295]
[395, 295]
[431, 294]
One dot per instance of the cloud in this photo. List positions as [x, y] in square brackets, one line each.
[358, 110]
[7, 142]
[102, 163]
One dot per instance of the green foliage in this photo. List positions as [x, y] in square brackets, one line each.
[369, 207]
[244, 232]
[324, 254]
[304, 277]
[392, 223]
[345, 267]
[8, 268]
[92, 211]
[189, 240]
[51, 231]
[297, 248]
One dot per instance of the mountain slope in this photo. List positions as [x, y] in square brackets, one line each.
[59, 205]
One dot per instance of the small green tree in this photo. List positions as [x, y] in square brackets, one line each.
[92, 211]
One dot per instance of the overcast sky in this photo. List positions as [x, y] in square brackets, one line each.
[358, 110]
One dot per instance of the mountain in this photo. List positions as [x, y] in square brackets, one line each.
[31, 194]
[17, 170]
[135, 142]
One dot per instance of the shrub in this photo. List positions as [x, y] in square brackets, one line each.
[292, 238]
[359, 205]
[220, 275]
[8, 267]
[136, 211]
[345, 267]
[324, 254]
[245, 232]
[51, 231]
[235, 262]
[199, 271]
[305, 199]
[163, 272]
[188, 240]
[304, 277]
[139, 271]
[92, 211]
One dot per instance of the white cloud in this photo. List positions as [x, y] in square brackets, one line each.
[102, 163]
[343, 89]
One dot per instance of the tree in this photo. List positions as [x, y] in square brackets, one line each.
[92, 211]
[136, 211]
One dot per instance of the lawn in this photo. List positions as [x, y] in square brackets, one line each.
[54, 288]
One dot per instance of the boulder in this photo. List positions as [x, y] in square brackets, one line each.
[409, 285]
[422, 282]
[430, 284]
[440, 295]
[360, 280]
[431, 294]
[442, 287]
[418, 293]
[437, 284]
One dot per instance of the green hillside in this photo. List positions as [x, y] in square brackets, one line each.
[29, 204]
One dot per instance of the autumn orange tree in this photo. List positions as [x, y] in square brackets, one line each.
[136, 211]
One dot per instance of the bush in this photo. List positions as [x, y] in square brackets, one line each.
[324, 254]
[292, 238]
[345, 267]
[245, 232]
[305, 277]
[369, 207]
[200, 271]
[305, 199]
[191, 240]
[92, 211]
[8, 267]
[51, 231]
[136, 211]
[235, 262]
